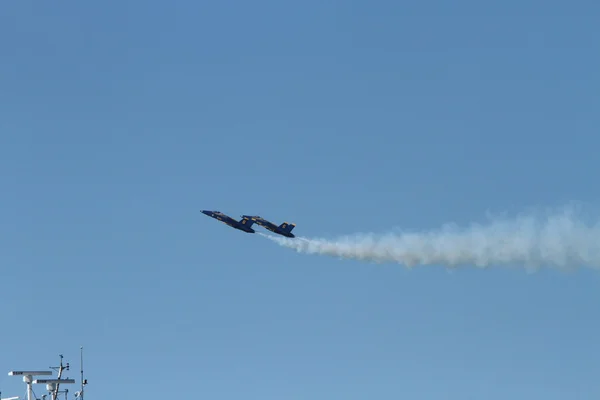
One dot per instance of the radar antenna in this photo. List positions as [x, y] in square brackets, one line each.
[28, 379]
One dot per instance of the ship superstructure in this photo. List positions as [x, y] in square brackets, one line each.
[56, 387]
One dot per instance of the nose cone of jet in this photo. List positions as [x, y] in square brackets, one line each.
[205, 212]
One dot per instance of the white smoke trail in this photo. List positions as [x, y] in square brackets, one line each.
[555, 239]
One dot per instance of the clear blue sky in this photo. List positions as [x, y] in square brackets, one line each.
[120, 120]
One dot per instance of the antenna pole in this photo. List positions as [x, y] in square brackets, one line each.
[81, 360]
[60, 370]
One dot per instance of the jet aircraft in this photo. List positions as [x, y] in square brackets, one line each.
[245, 224]
[284, 229]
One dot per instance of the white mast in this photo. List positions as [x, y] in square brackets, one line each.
[52, 385]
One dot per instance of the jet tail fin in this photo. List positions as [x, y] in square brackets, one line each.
[247, 222]
[287, 227]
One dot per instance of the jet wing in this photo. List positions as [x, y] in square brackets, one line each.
[262, 222]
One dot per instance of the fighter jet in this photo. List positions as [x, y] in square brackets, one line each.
[284, 229]
[245, 224]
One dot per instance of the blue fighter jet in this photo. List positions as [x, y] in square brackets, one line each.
[244, 224]
[284, 229]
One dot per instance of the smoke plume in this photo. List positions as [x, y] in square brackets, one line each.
[551, 239]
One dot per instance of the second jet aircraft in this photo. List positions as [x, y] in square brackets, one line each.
[284, 229]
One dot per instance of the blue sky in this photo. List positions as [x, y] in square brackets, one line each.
[121, 120]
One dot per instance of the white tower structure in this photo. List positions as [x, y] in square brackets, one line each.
[53, 385]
